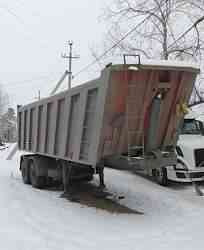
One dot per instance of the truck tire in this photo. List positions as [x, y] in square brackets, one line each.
[36, 181]
[160, 176]
[25, 171]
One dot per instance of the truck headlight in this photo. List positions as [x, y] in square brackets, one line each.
[180, 165]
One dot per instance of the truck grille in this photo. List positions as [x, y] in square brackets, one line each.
[199, 157]
[197, 175]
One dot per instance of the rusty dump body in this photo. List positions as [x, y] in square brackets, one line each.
[131, 110]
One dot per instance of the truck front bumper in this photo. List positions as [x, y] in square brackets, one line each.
[182, 175]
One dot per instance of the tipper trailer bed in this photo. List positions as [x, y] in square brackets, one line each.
[128, 116]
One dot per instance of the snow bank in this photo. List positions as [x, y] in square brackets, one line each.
[39, 219]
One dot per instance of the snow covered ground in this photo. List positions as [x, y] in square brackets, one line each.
[39, 219]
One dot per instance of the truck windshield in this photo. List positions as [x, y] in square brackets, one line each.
[191, 126]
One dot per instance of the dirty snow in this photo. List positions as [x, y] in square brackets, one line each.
[39, 219]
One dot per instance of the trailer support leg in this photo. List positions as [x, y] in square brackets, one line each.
[101, 177]
[66, 175]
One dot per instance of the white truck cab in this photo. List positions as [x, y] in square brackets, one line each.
[190, 152]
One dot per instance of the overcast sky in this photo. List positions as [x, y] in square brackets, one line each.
[33, 35]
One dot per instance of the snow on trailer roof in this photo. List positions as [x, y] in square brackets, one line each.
[162, 64]
[171, 64]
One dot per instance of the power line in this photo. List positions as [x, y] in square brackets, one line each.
[10, 11]
[112, 47]
[194, 25]
[22, 23]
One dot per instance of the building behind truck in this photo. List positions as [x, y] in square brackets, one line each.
[128, 116]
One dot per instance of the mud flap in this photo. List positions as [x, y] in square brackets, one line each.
[198, 190]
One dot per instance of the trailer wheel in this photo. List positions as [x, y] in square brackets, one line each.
[160, 176]
[36, 181]
[88, 178]
[25, 171]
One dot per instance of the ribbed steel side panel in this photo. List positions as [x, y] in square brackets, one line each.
[74, 114]
[19, 120]
[55, 126]
[25, 129]
[35, 127]
[59, 126]
[88, 122]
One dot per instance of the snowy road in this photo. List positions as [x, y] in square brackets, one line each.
[39, 219]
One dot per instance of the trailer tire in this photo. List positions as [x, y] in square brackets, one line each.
[88, 178]
[160, 176]
[25, 171]
[36, 181]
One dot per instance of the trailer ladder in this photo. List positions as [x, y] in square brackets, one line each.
[131, 121]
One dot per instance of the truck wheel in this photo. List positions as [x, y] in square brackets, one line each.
[160, 176]
[25, 171]
[36, 181]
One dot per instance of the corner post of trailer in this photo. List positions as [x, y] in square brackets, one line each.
[100, 171]
[66, 176]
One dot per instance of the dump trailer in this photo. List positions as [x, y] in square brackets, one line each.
[129, 116]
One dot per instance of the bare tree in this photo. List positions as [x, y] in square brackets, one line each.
[171, 28]
[8, 126]
[4, 100]
[164, 29]
[197, 96]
